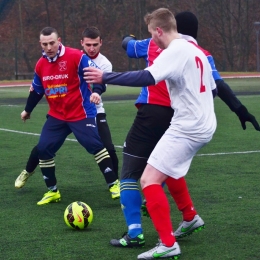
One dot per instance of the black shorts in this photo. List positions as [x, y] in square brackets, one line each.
[149, 125]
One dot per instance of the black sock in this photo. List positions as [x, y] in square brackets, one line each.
[105, 165]
[48, 172]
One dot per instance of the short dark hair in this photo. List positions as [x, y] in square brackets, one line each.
[48, 31]
[91, 32]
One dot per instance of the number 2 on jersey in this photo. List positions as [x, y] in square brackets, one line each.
[200, 66]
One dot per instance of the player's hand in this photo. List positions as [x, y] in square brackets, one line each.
[31, 88]
[244, 116]
[93, 75]
[132, 36]
[25, 115]
[95, 98]
[126, 39]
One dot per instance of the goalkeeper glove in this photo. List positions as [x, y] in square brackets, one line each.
[126, 39]
[244, 116]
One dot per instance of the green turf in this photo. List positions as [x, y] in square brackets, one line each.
[244, 85]
[22, 92]
[238, 85]
[224, 187]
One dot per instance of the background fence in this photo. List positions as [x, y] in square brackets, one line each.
[229, 29]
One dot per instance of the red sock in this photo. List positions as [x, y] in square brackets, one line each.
[159, 210]
[180, 193]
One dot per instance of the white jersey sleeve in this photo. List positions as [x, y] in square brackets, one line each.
[105, 65]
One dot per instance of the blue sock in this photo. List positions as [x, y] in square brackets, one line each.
[131, 202]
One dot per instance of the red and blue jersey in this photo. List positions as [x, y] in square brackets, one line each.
[65, 89]
[149, 51]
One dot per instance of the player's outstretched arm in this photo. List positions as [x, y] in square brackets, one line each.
[129, 78]
[229, 97]
[93, 75]
[32, 101]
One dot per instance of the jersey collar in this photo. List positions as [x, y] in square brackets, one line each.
[188, 38]
[60, 52]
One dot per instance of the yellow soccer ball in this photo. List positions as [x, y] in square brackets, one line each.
[78, 215]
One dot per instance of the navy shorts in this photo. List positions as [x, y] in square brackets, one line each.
[55, 131]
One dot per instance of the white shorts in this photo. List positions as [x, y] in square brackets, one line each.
[173, 155]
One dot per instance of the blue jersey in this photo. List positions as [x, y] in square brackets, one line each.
[149, 51]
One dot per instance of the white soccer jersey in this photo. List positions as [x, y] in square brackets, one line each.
[189, 81]
[105, 65]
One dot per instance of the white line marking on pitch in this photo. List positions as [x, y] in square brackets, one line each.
[28, 133]
[119, 146]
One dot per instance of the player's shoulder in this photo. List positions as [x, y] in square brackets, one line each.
[104, 59]
[178, 45]
[41, 62]
[207, 53]
[103, 62]
[73, 51]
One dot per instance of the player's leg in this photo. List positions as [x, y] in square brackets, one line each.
[149, 125]
[185, 149]
[105, 135]
[54, 133]
[131, 201]
[86, 133]
[31, 165]
[192, 222]
[159, 210]
[172, 156]
[132, 168]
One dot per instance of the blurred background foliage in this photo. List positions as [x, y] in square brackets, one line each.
[226, 29]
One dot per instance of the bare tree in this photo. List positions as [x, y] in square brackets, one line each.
[225, 27]
[47, 12]
[229, 23]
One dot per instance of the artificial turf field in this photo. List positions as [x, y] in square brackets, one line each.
[223, 180]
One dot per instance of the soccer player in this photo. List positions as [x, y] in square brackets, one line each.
[189, 82]
[152, 120]
[91, 42]
[187, 24]
[59, 76]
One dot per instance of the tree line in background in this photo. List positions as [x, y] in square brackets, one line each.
[226, 29]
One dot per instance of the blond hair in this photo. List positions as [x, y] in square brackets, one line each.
[162, 18]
